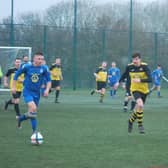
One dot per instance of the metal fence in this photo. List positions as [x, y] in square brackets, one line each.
[80, 57]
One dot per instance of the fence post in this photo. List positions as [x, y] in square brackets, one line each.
[45, 41]
[74, 74]
[12, 25]
[156, 48]
[103, 44]
[130, 32]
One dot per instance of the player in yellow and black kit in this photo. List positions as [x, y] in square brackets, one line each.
[56, 77]
[19, 86]
[101, 80]
[140, 75]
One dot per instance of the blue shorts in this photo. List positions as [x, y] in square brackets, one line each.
[30, 96]
[112, 83]
[157, 83]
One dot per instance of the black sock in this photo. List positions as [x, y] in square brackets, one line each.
[17, 110]
[57, 94]
[125, 103]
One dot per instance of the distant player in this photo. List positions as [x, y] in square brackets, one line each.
[157, 76]
[44, 82]
[101, 80]
[113, 79]
[56, 77]
[19, 86]
[25, 60]
[34, 75]
[140, 75]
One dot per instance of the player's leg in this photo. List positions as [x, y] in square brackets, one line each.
[137, 113]
[158, 91]
[16, 97]
[7, 103]
[57, 92]
[115, 87]
[102, 87]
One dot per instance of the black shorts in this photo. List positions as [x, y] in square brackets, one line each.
[101, 85]
[55, 83]
[16, 95]
[138, 95]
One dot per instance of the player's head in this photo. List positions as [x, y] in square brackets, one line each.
[38, 59]
[136, 59]
[25, 58]
[113, 64]
[58, 61]
[104, 64]
[159, 66]
[17, 62]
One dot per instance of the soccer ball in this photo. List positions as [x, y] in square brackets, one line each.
[36, 138]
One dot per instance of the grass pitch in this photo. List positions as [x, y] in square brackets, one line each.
[82, 133]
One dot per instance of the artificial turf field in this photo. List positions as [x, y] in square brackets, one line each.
[80, 132]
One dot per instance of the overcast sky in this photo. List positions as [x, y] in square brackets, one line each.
[21, 6]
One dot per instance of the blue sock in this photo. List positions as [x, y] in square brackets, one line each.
[114, 92]
[22, 118]
[111, 92]
[34, 124]
[158, 93]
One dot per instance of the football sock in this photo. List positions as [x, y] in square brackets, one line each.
[111, 92]
[17, 110]
[125, 103]
[57, 94]
[114, 92]
[158, 93]
[140, 117]
[33, 124]
[133, 117]
[22, 118]
[101, 97]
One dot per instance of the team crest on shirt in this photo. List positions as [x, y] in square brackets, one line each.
[41, 70]
[35, 78]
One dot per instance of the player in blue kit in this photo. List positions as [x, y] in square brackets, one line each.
[34, 76]
[113, 78]
[157, 76]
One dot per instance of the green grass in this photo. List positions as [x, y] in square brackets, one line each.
[82, 133]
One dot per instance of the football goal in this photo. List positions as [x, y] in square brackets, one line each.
[8, 55]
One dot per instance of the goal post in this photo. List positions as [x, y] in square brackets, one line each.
[7, 56]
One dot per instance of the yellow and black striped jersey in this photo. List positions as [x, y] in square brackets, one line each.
[141, 72]
[56, 72]
[102, 74]
[19, 83]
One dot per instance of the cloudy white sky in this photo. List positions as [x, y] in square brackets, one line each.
[21, 6]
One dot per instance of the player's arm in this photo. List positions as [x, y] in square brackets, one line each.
[164, 78]
[149, 78]
[125, 75]
[96, 74]
[48, 85]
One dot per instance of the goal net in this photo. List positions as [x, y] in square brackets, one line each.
[7, 57]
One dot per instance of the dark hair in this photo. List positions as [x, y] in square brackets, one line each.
[17, 58]
[137, 54]
[158, 65]
[38, 53]
[24, 56]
